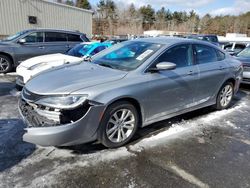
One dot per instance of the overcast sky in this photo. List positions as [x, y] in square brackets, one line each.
[214, 7]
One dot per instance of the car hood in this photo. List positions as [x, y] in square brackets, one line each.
[70, 78]
[244, 60]
[2, 44]
[49, 60]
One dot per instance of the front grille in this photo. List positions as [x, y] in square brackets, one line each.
[41, 116]
[37, 117]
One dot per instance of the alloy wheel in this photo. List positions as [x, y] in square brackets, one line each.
[4, 64]
[226, 95]
[120, 125]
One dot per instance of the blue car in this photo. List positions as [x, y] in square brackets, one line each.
[88, 49]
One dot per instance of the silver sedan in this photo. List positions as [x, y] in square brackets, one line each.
[131, 85]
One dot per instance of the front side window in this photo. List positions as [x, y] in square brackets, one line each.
[126, 56]
[34, 37]
[181, 55]
[205, 54]
[55, 37]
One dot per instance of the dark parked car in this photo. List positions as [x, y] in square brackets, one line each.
[130, 85]
[209, 38]
[244, 57]
[35, 42]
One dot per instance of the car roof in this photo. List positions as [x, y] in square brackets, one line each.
[55, 30]
[167, 40]
[175, 40]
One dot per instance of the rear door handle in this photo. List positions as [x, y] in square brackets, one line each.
[41, 47]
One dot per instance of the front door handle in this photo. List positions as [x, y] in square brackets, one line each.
[41, 47]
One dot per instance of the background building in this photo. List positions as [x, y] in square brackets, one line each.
[17, 15]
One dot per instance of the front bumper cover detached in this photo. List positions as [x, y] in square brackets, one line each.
[50, 127]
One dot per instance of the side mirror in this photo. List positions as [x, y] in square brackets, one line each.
[87, 58]
[163, 66]
[22, 41]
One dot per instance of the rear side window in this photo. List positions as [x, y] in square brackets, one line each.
[55, 37]
[34, 37]
[205, 54]
[74, 38]
[181, 55]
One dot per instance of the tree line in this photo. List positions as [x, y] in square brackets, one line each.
[110, 19]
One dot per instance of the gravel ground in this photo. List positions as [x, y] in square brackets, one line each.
[204, 148]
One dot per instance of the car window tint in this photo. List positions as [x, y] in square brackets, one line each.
[55, 37]
[74, 38]
[228, 46]
[181, 55]
[212, 39]
[205, 54]
[97, 50]
[34, 37]
[220, 55]
[239, 47]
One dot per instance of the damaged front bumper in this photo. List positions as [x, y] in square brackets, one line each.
[57, 127]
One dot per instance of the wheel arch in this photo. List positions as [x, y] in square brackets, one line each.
[8, 55]
[134, 102]
[232, 80]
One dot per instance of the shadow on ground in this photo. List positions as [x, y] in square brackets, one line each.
[12, 148]
[5, 88]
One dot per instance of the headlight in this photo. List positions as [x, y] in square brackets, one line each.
[63, 102]
[37, 65]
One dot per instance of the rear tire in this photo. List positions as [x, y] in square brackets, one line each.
[6, 64]
[118, 125]
[225, 96]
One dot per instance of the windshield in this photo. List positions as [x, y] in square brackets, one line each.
[15, 36]
[86, 49]
[244, 53]
[126, 56]
[76, 50]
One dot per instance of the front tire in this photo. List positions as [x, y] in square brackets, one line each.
[225, 96]
[6, 64]
[118, 125]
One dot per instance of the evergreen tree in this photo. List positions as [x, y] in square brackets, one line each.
[69, 2]
[83, 4]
